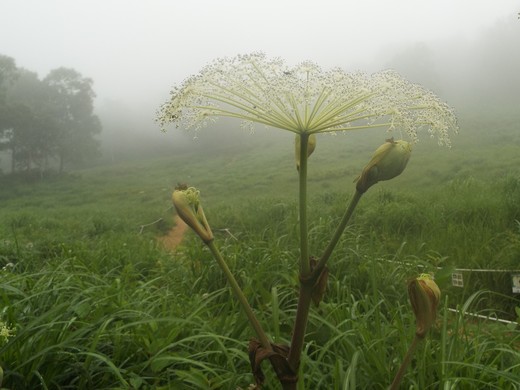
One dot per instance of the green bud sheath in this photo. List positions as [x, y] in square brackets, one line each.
[424, 297]
[188, 208]
[310, 148]
[388, 161]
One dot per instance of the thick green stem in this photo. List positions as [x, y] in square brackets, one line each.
[339, 231]
[240, 295]
[307, 284]
[300, 325]
[304, 299]
[305, 267]
[404, 365]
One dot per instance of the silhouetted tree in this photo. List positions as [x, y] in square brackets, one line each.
[73, 99]
[46, 120]
[8, 73]
[31, 134]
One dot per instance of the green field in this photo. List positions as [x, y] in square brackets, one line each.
[96, 302]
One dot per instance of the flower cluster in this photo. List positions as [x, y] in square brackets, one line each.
[5, 333]
[187, 203]
[305, 98]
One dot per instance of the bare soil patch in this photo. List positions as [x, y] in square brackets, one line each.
[175, 235]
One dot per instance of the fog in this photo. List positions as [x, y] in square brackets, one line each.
[466, 51]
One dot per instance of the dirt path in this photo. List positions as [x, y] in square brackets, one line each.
[175, 235]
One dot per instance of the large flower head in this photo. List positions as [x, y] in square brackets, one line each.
[305, 99]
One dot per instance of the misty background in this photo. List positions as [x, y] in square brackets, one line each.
[467, 52]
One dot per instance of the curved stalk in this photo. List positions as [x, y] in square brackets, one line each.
[339, 230]
[404, 365]
[240, 295]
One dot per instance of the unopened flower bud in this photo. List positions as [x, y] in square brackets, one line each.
[388, 161]
[311, 145]
[189, 209]
[424, 296]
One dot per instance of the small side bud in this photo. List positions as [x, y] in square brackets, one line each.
[424, 296]
[388, 161]
[318, 290]
[189, 209]
[297, 147]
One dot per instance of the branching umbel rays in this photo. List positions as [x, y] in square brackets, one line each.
[307, 101]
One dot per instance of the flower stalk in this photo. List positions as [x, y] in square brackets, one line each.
[255, 324]
[424, 297]
[187, 203]
[339, 231]
[405, 363]
[304, 243]
[305, 292]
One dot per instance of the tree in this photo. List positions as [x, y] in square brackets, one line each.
[73, 99]
[29, 133]
[8, 73]
[42, 121]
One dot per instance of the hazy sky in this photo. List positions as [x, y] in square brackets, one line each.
[136, 50]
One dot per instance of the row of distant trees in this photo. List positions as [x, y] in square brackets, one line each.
[46, 123]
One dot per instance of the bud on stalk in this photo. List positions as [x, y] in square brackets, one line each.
[297, 148]
[388, 161]
[424, 296]
[189, 209]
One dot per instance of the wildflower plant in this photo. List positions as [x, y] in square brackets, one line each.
[5, 333]
[425, 297]
[305, 100]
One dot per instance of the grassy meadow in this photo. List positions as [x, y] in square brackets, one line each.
[94, 301]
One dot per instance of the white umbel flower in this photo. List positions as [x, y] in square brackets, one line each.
[305, 99]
